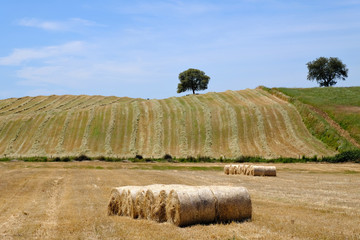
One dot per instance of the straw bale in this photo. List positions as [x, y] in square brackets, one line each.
[139, 211]
[130, 198]
[232, 169]
[114, 206]
[190, 205]
[249, 170]
[226, 169]
[246, 169]
[158, 209]
[241, 169]
[263, 171]
[232, 203]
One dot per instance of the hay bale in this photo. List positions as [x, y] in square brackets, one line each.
[180, 204]
[129, 199]
[236, 169]
[190, 205]
[263, 171]
[232, 203]
[114, 205]
[232, 169]
[150, 197]
[155, 201]
[249, 170]
[139, 211]
[239, 169]
[158, 208]
[226, 169]
[246, 169]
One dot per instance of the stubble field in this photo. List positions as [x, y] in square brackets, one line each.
[69, 201]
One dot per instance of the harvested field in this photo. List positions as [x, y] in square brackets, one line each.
[69, 201]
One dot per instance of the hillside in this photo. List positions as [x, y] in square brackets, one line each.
[341, 104]
[227, 124]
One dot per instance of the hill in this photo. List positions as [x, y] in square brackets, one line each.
[228, 124]
[341, 104]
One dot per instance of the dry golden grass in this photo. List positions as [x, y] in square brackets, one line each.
[69, 201]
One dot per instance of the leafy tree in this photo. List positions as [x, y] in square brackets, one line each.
[326, 70]
[192, 79]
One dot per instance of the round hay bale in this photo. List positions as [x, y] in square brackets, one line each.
[263, 171]
[249, 170]
[129, 199]
[236, 169]
[232, 169]
[122, 202]
[270, 171]
[114, 203]
[246, 169]
[240, 168]
[226, 169]
[190, 205]
[139, 211]
[232, 203]
[158, 209]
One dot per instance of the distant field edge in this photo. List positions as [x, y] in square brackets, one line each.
[346, 156]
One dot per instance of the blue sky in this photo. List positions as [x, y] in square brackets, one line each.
[138, 48]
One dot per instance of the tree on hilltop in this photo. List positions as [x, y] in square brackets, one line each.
[326, 70]
[192, 79]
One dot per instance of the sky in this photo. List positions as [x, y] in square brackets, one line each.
[138, 48]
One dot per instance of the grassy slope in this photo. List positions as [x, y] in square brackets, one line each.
[228, 124]
[340, 103]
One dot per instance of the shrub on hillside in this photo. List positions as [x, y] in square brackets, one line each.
[138, 156]
[348, 156]
[82, 157]
[167, 157]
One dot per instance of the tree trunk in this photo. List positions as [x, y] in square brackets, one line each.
[193, 91]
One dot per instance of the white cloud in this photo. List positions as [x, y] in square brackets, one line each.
[18, 56]
[46, 25]
[71, 24]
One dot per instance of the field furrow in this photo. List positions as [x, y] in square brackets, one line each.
[35, 148]
[167, 127]
[158, 146]
[18, 105]
[144, 128]
[6, 103]
[51, 105]
[181, 123]
[135, 128]
[296, 129]
[207, 147]
[60, 145]
[110, 130]
[189, 129]
[233, 139]
[40, 100]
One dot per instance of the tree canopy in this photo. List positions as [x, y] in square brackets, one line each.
[326, 70]
[192, 79]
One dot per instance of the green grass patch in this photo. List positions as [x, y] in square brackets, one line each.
[342, 104]
[324, 99]
[351, 172]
